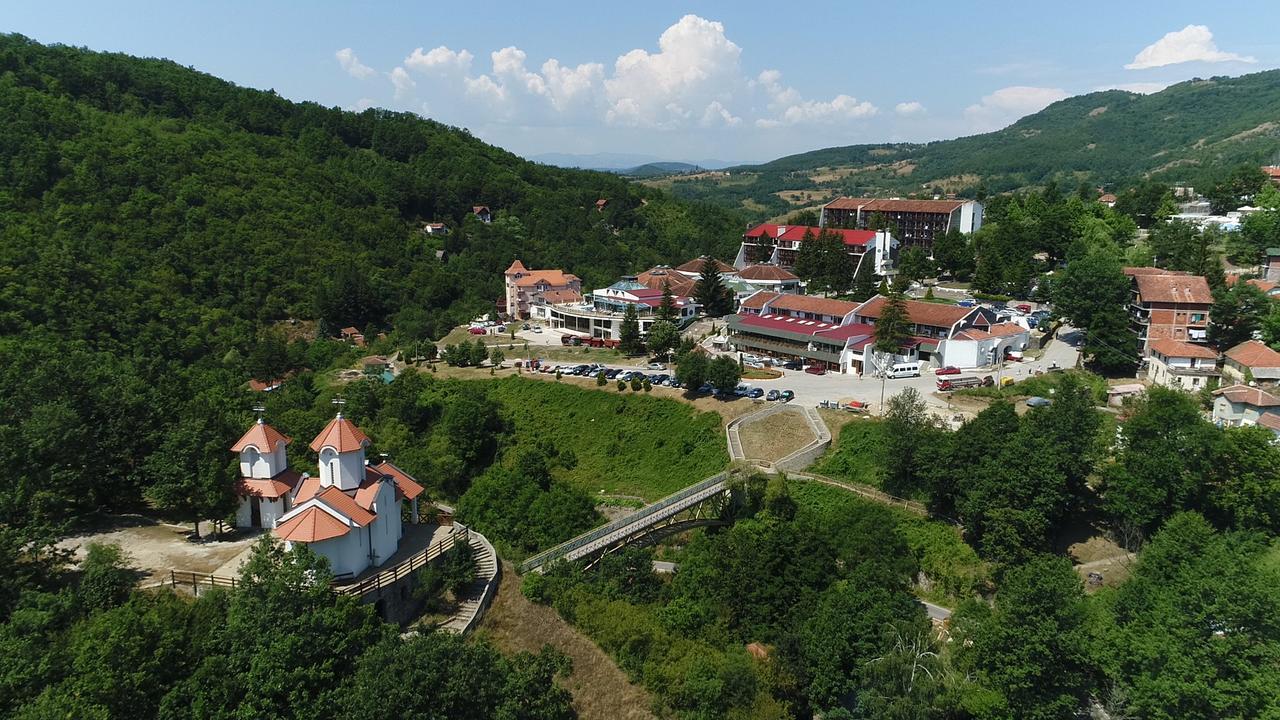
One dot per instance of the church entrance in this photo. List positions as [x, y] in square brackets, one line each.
[255, 511]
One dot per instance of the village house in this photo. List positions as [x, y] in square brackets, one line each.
[482, 213]
[525, 288]
[1241, 405]
[1168, 305]
[1181, 365]
[1251, 361]
[350, 513]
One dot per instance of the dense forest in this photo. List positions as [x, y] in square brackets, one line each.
[165, 236]
[1114, 138]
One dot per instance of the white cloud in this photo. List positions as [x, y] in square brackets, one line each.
[792, 109]
[696, 64]
[717, 115]
[1193, 43]
[349, 62]
[913, 107]
[403, 84]
[439, 60]
[1142, 88]
[364, 104]
[1008, 104]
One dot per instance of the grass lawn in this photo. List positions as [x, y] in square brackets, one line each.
[856, 454]
[760, 374]
[1040, 385]
[625, 443]
[953, 570]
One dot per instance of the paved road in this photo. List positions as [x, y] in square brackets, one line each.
[936, 612]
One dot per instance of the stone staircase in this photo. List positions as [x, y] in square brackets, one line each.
[474, 599]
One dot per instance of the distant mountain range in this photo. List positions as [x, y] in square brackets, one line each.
[1185, 133]
[627, 163]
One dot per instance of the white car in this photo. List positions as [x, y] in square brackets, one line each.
[656, 366]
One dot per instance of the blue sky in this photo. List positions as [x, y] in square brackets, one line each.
[691, 80]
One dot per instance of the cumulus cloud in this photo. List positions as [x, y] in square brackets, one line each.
[352, 65]
[439, 60]
[1008, 104]
[913, 107]
[1193, 43]
[403, 84]
[790, 108]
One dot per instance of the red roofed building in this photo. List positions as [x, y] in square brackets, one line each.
[526, 287]
[1168, 306]
[780, 244]
[771, 277]
[1251, 361]
[1183, 365]
[1273, 172]
[917, 222]
[350, 512]
[1239, 405]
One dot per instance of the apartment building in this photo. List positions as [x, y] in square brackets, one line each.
[915, 222]
[1168, 305]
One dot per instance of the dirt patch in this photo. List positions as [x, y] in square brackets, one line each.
[156, 547]
[776, 436]
[1265, 127]
[1097, 111]
[804, 197]
[600, 689]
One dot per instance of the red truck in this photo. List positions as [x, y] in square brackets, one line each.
[964, 382]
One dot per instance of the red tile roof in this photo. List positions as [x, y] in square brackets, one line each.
[1254, 354]
[1006, 329]
[405, 483]
[1184, 289]
[655, 277]
[786, 322]
[345, 504]
[800, 232]
[1108, 198]
[812, 304]
[340, 434]
[1248, 396]
[767, 272]
[695, 265]
[261, 436]
[1270, 420]
[561, 297]
[1177, 348]
[1132, 271]
[311, 525]
[554, 278]
[271, 488]
[516, 266]
[918, 312]
[758, 300]
[307, 489]
[973, 334]
[870, 205]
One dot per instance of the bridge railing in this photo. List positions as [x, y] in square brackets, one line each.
[634, 518]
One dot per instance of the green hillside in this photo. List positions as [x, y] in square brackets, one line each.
[1186, 132]
[656, 169]
[161, 230]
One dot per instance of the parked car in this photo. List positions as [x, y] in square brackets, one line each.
[656, 366]
[966, 303]
[755, 365]
[786, 396]
[1032, 322]
[816, 370]
[476, 331]
[500, 329]
[793, 365]
[1023, 308]
[659, 379]
[525, 326]
[742, 390]
[612, 373]
[772, 395]
[706, 388]
[749, 358]
[755, 393]
[537, 328]
[947, 370]
[1037, 401]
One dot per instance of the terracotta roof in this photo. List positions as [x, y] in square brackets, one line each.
[758, 300]
[340, 434]
[870, 205]
[1270, 420]
[349, 330]
[1248, 396]
[367, 493]
[345, 504]
[261, 436]
[811, 304]
[766, 272]
[1006, 329]
[311, 525]
[477, 209]
[557, 278]
[918, 312]
[275, 487]
[654, 278]
[972, 334]
[516, 266]
[405, 483]
[849, 237]
[1252, 354]
[1272, 171]
[1132, 271]
[1187, 289]
[561, 297]
[1177, 348]
[1108, 198]
[1266, 286]
[307, 489]
[695, 265]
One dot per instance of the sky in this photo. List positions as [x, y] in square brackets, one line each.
[743, 81]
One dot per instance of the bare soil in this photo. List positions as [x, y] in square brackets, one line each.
[776, 436]
[600, 689]
[155, 547]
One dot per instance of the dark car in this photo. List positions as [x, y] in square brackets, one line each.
[772, 395]
[948, 370]
[816, 370]
[793, 364]
[786, 396]
[755, 393]
[706, 388]
[612, 373]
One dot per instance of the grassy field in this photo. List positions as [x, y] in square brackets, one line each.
[953, 570]
[856, 454]
[1040, 385]
[625, 443]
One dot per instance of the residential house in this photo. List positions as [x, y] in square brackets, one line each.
[917, 222]
[1166, 305]
[1108, 199]
[482, 213]
[1251, 361]
[780, 245]
[1241, 405]
[525, 287]
[1273, 172]
[353, 336]
[1270, 288]
[772, 277]
[1181, 365]
[435, 228]
[1271, 268]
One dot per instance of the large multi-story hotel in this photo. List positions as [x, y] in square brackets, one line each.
[914, 222]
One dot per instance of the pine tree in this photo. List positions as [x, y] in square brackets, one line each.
[892, 328]
[864, 281]
[667, 308]
[710, 292]
[629, 332]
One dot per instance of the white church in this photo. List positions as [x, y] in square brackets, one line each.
[350, 513]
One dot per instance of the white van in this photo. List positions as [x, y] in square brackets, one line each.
[905, 370]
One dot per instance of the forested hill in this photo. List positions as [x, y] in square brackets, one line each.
[1187, 132]
[155, 220]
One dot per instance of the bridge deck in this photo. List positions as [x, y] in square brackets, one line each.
[623, 528]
